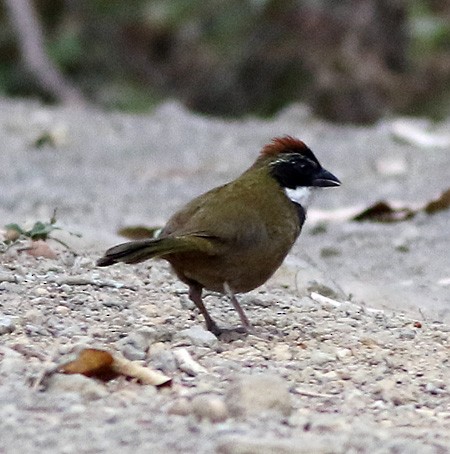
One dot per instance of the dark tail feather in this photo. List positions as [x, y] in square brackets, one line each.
[138, 251]
[131, 252]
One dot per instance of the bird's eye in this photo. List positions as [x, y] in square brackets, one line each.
[301, 165]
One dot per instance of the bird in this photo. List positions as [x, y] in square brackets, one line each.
[233, 238]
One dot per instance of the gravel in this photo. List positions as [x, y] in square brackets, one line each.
[350, 351]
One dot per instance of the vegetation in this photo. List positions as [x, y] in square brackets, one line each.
[350, 60]
[16, 235]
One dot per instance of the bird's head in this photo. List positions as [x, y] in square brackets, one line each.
[295, 168]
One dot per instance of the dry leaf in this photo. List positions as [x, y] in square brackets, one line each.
[92, 362]
[383, 212]
[101, 364]
[441, 203]
[145, 375]
[139, 232]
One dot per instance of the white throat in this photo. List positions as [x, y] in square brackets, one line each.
[301, 195]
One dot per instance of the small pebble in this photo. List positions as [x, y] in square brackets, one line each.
[154, 334]
[435, 389]
[132, 353]
[281, 352]
[41, 291]
[7, 277]
[13, 365]
[319, 358]
[197, 336]
[407, 334]
[66, 288]
[210, 407]
[163, 359]
[7, 325]
[186, 303]
[181, 407]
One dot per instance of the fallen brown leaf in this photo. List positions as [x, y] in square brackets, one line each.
[92, 362]
[441, 203]
[105, 366]
[384, 212]
[145, 375]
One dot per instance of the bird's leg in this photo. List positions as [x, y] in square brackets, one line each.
[244, 320]
[195, 295]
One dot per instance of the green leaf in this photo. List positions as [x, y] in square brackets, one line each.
[16, 228]
[41, 231]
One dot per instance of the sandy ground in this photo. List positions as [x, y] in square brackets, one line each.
[365, 372]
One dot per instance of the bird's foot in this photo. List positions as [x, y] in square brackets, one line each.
[230, 334]
[233, 334]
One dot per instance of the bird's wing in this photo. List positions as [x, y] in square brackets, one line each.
[218, 224]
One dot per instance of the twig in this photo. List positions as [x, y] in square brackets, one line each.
[32, 49]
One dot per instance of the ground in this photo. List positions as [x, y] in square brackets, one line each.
[351, 345]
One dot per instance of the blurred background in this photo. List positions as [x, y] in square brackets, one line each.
[349, 60]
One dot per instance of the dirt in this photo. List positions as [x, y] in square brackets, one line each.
[351, 345]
